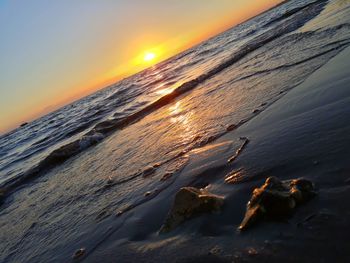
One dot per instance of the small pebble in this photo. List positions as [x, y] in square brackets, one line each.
[156, 165]
[119, 213]
[215, 250]
[148, 171]
[166, 176]
[231, 127]
[252, 251]
[109, 181]
[79, 253]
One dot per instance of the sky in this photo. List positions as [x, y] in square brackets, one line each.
[54, 52]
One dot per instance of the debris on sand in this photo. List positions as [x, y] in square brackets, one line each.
[252, 251]
[149, 171]
[231, 127]
[166, 176]
[217, 250]
[148, 193]
[276, 199]
[240, 149]
[190, 202]
[78, 253]
[235, 177]
[110, 181]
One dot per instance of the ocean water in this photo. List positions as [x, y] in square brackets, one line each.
[66, 172]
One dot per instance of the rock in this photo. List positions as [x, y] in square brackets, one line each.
[276, 200]
[156, 165]
[78, 253]
[231, 127]
[252, 251]
[166, 176]
[148, 171]
[148, 193]
[110, 181]
[119, 213]
[190, 202]
[215, 251]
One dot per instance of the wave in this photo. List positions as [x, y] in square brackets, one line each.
[290, 13]
[104, 128]
[342, 45]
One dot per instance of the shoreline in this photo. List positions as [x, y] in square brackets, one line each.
[301, 135]
[160, 168]
[106, 127]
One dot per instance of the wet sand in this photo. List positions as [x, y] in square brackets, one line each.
[304, 134]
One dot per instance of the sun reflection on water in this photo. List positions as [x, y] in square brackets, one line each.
[164, 91]
[185, 126]
[175, 109]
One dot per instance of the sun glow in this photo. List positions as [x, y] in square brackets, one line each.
[149, 56]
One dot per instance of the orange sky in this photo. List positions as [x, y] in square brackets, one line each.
[54, 53]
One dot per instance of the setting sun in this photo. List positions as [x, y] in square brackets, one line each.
[149, 56]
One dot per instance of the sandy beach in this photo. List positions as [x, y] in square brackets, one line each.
[304, 134]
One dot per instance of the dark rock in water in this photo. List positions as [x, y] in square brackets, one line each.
[276, 199]
[301, 190]
[148, 171]
[110, 181]
[256, 111]
[231, 127]
[166, 176]
[79, 253]
[148, 193]
[190, 202]
[156, 165]
[24, 124]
